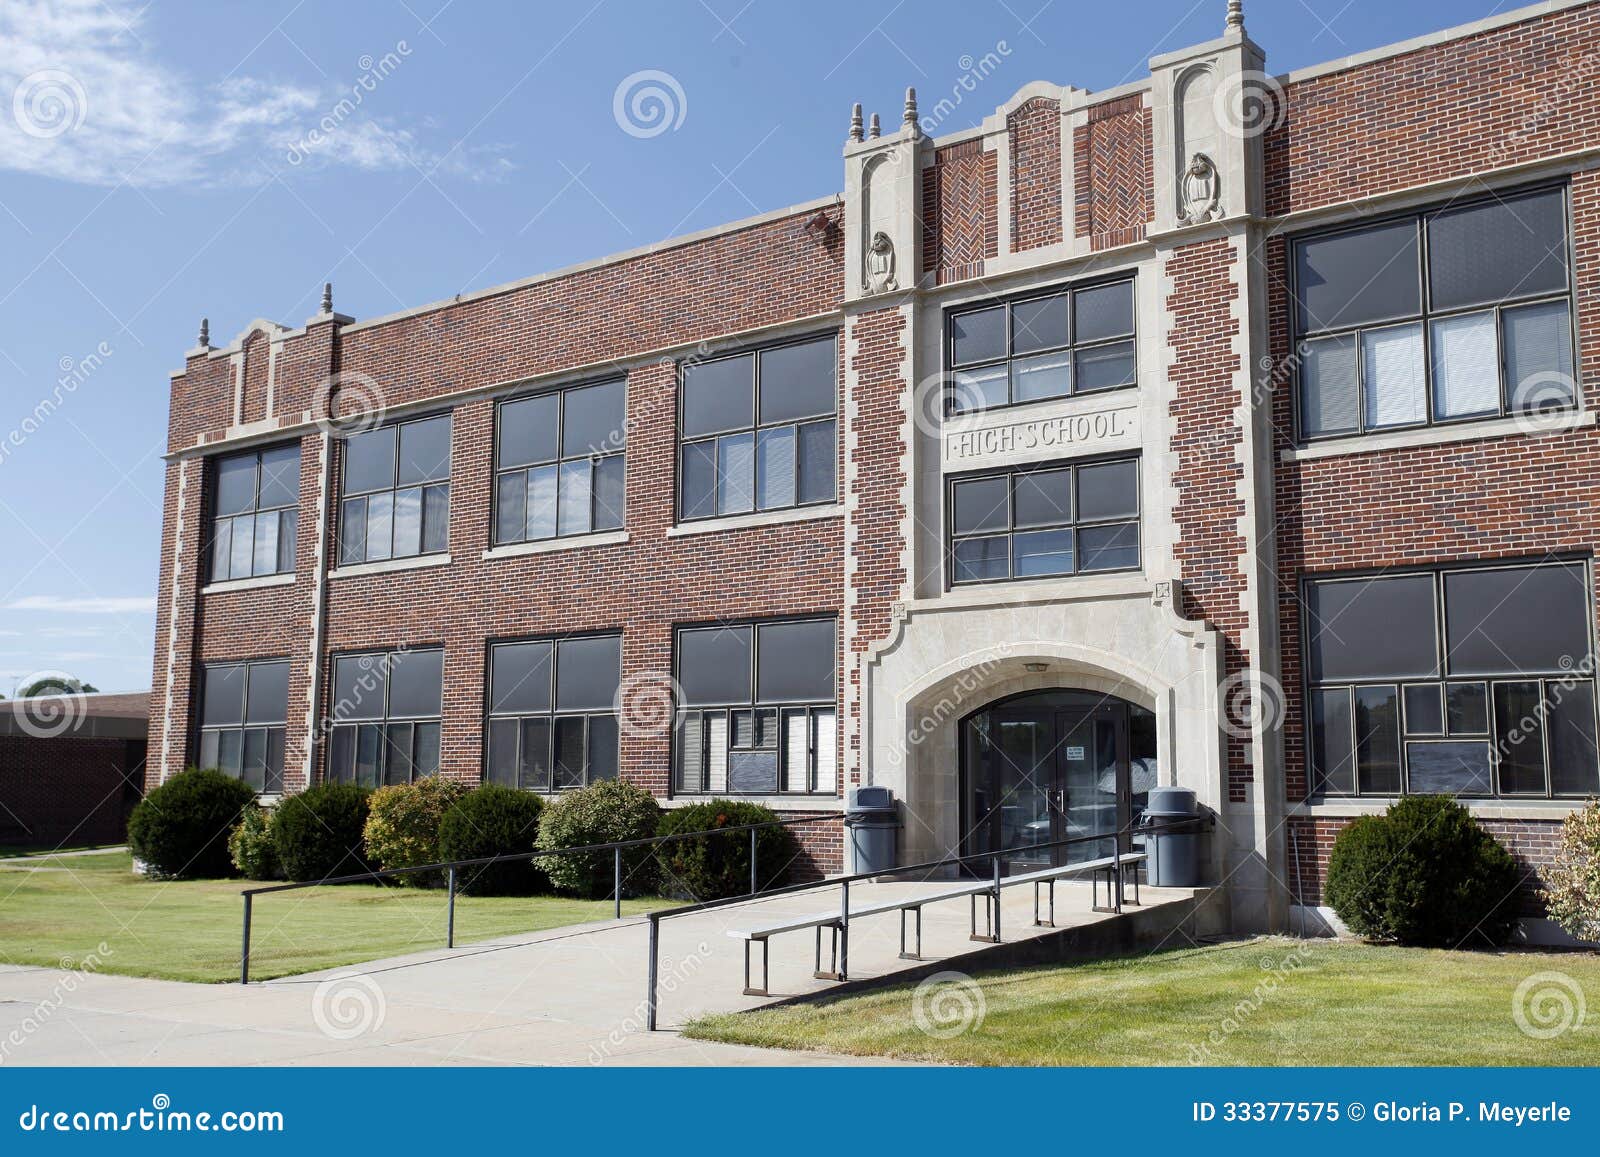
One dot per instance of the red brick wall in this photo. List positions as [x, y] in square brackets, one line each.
[877, 539]
[1035, 132]
[257, 351]
[1515, 94]
[1210, 552]
[960, 216]
[1113, 173]
[67, 790]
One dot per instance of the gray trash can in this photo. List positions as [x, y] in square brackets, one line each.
[870, 824]
[1174, 829]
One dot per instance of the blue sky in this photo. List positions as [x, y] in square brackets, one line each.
[164, 162]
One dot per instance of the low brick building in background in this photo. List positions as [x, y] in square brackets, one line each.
[1224, 430]
[71, 768]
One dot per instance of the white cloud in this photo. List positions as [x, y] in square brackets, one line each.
[83, 98]
[90, 605]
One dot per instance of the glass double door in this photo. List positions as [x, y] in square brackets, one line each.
[1043, 771]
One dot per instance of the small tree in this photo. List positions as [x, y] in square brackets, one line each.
[403, 825]
[1571, 881]
[180, 829]
[607, 812]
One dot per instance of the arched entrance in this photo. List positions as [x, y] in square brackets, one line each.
[1052, 765]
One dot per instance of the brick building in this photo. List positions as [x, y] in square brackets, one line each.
[71, 768]
[1223, 430]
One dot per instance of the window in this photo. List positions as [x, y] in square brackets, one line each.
[559, 463]
[757, 714]
[757, 431]
[1073, 341]
[1466, 681]
[255, 509]
[552, 712]
[385, 718]
[1043, 521]
[1442, 316]
[396, 491]
[243, 710]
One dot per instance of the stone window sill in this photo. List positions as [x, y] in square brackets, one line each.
[249, 584]
[749, 521]
[1438, 436]
[550, 545]
[385, 566]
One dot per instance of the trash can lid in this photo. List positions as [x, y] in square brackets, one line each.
[1172, 801]
[873, 798]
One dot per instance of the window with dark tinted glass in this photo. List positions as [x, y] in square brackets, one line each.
[254, 513]
[1446, 315]
[384, 718]
[1473, 680]
[552, 712]
[757, 709]
[757, 430]
[244, 708]
[559, 462]
[1071, 341]
[1044, 521]
[396, 494]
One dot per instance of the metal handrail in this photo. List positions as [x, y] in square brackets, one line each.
[843, 884]
[449, 867]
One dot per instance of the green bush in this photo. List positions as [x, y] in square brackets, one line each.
[317, 832]
[494, 821]
[602, 813]
[403, 825]
[180, 830]
[1424, 874]
[1571, 881]
[713, 867]
[250, 846]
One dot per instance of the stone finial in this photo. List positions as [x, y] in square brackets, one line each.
[1235, 16]
[327, 297]
[911, 107]
[855, 121]
[205, 334]
[875, 131]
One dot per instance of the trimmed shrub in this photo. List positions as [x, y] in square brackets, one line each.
[602, 813]
[1571, 881]
[317, 832]
[250, 846]
[714, 866]
[493, 820]
[403, 826]
[1424, 873]
[180, 830]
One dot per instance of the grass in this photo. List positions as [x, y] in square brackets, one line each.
[62, 910]
[1267, 1001]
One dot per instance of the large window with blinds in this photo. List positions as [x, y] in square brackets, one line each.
[244, 708]
[757, 711]
[255, 500]
[757, 430]
[559, 463]
[1456, 313]
[1473, 681]
[384, 722]
[553, 712]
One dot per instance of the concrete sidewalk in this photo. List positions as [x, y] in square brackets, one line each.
[569, 996]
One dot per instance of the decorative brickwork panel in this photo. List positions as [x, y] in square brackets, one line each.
[257, 356]
[960, 212]
[877, 530]
[1211, 552]
[1113, 172]
[1460, 501]
[1035, 133]
[1515, 94]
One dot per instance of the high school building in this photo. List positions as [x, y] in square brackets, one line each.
[1224, 429]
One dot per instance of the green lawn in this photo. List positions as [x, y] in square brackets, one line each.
[1267, 1001]
[61, 909]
